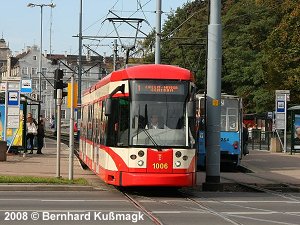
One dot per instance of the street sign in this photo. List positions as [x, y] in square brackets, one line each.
[14, 86]
[13, 98]
[283, 92]
[75, 96]
[280, 106]
[26, 86]
[13, 121]
[281, 99]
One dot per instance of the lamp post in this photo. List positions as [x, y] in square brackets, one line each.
[31, 5]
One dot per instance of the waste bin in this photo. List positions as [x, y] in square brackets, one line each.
[3, 149]
[275, 145]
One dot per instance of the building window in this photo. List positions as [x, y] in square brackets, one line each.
[44, 84]
[34, 84]
[64, 71]
[33, 71]
[34, 57]
[43, 98]
[44, 71]
[63, 114]
[43, 113]
[25, 71]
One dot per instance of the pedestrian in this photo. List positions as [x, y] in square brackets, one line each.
[31, 131]
[245, 140]
[40, 135]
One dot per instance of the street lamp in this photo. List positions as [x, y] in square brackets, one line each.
[31, 5]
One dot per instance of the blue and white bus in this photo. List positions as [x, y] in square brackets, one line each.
[231, 129]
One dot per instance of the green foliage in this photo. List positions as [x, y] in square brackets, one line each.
[40, 180]
[261, 47]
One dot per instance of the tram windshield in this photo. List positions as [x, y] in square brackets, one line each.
[158, 114]
[230, 115]
[230, 119]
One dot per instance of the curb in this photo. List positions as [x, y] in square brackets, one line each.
[46, 187]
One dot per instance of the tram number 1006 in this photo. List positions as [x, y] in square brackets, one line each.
[160, 166]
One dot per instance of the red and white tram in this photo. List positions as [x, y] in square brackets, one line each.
[116, 141]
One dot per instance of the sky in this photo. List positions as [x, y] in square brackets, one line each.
[20, 25]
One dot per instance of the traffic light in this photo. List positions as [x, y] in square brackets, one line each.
[58, 83]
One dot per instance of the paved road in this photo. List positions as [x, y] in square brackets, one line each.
[202, 208]
[94, 207]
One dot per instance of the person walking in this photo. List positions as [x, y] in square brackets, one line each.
[40, 135]
[31, 131]
[245, 140]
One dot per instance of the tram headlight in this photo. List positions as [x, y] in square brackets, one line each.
[185, 157]
[140, 162]
[141, 153]
[133, 157]
[178, 163]
[178, 154]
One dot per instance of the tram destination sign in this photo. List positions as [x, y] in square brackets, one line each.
[155, 88]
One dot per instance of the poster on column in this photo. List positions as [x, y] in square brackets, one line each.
[13, 135]
[297, 132]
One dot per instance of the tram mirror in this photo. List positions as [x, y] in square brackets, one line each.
[190, 109]
[108, 107]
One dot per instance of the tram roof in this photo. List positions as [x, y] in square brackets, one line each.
[143, 72]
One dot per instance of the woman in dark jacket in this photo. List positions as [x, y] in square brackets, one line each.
[40, 135]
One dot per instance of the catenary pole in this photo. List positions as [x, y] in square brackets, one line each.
[79, 63]
[214, 64]
[41, 55]
[158, 32]
[115, 54]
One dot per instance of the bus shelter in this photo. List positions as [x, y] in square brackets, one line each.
[16, 137]
[295, 128]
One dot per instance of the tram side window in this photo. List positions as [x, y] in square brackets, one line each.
[103, 125]
[123, 119]
[112, 126]
[95, 122]
[90, 119]
[84, 122]
[118, 123]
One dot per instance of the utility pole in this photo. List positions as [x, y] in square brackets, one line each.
[213, 102]
[158, 32]
[79, 63]
[115, 54]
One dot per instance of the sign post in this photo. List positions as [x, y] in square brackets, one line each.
[282, 96]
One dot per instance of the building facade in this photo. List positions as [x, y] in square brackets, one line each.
[25, 66]
[4, 54]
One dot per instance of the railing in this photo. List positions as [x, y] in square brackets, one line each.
[261, 140]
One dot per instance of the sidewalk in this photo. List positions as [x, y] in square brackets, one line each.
[268, 168]
[45, 165]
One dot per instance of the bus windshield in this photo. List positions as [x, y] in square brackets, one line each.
[158, 114]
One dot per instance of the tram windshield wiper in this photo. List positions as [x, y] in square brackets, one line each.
[151, 139]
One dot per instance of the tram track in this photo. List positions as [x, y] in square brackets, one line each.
[139, 206]
[185, 202]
